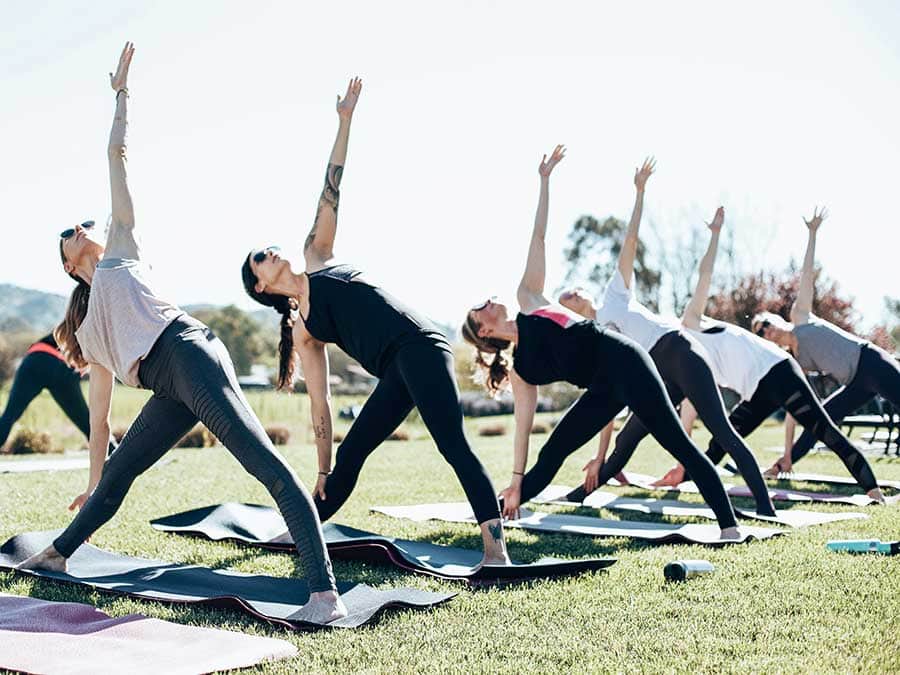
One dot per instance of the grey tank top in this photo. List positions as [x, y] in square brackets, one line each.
[825, 348]
[124, 318]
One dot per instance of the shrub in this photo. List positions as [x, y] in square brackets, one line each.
[198, 437]
[498, 429]
[399, 434]
[337, 437]
[279, 435]
[27, 441]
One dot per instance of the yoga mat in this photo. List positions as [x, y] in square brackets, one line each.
[39, 636]
[775, 494]
[271, 599]
[263, 526]
[830, 480]
[29, 465]
[562, 494]
[662, 533]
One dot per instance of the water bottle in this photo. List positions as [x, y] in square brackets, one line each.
[682, 570]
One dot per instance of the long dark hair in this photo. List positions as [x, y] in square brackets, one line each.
[495, 374]
[75, 313]
[287, 358]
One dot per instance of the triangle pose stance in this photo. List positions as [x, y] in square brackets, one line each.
[764, 375]
[681, 359]
[860, 367]
[45, 367]
[411, 358]
[553, 344]
[118, 325]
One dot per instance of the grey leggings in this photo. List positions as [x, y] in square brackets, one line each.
[192, 378]
[682, 363]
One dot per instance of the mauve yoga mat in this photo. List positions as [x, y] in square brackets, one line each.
[562, 494]
[461, 512]
[271, 599]
[775, 493]
[40, 636]
[263, 526]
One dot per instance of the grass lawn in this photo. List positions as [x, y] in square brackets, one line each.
[780, 605]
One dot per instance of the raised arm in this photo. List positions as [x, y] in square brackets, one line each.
[802, 307]
[531, 288]
[694, 311]
[320, 240]
[314, 359]
[629, 246]
[525, 402]
[120, 241]
[100, 398]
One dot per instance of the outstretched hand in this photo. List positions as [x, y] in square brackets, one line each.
[817, 218]
[641, 175]
[717, 220]
[546, 167]
[346, 105]
[119, 79]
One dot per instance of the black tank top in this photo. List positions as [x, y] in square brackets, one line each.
[549, 352]
[363, 320]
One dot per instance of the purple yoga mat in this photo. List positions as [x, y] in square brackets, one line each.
[39, 636]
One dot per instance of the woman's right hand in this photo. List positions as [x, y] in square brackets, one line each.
[346, 105]
[79, 501]
[119, 79]
[717, 220]
[512, 498]
[319, 490]
[592, 474]
[546, 167]
[817, 218]
[641, 175]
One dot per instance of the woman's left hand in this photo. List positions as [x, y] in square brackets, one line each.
[319, 490]
[346, 105]
[546, 167]
[119, 79]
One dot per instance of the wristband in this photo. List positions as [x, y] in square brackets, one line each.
[125, 89]
[518, 473]
[324, 473]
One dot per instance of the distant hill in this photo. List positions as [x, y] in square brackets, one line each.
[28, 310]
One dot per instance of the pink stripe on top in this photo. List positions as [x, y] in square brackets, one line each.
[561, 318]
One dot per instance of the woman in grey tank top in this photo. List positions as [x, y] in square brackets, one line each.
[121, 327]
[861, 368]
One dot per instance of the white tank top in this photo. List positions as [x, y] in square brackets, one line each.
[739, 359]
[622, 312]
[124, 318]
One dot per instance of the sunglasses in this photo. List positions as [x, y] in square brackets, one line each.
[68, 234]
[479, 307]
[761, 331]
[259, 256]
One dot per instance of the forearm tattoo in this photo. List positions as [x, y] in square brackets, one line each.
[330, 198]
[320, 428]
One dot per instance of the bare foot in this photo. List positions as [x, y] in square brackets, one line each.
[323, 607]
[494, 559]
[48, 559]
[673, 478]
[622, 478]
[731, 533]
[494, 543]
[877, 495]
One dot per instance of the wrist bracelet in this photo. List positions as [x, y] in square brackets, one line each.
[125, 89]
[324, 473]
[518, 473]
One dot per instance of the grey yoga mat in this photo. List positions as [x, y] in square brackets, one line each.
[272, 599]
[263, 527]
[461, 512]
[777, 494]
[55, 464]
[562, 494]
[41, 636]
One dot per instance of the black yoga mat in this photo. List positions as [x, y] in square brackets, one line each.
[264, 527]
[271, 599]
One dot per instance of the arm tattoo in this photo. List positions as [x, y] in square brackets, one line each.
[320, 428]
[496, 531]
[330, 197]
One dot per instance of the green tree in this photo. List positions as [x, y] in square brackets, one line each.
[592, 253]
[241, 334]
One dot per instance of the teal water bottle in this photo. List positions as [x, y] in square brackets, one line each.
[682, 570]
[864, 546]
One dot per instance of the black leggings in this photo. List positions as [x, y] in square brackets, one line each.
[39, 371]
[192, 378]
[682, 363]
[630, 380]
[422, 375]
[877, 373]
[785, 386]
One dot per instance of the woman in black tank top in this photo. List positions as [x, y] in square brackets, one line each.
[552, 344]
[411, 358]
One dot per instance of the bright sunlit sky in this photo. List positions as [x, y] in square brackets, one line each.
[768, 108]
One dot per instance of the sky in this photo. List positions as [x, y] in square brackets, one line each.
[767, 108]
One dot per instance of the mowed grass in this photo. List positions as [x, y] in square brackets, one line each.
[780, 605]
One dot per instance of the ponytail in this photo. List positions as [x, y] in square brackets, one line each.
[494, 375]
[64, 334]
